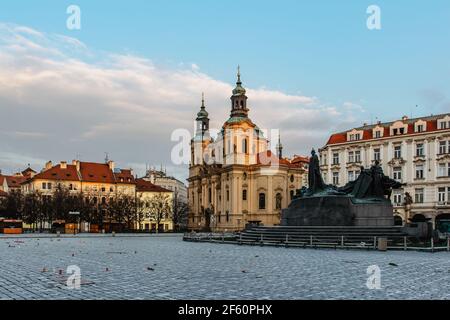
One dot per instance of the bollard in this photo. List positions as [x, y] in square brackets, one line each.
[342, 241]
[58, 233]
[432, 244]
[287, 239]
[223, 237]
[311, 240]
[375, 242]
[113, 233]
[405, 245]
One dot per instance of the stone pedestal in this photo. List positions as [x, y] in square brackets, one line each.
[338, 211]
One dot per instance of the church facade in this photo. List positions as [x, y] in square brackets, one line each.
[234, 178]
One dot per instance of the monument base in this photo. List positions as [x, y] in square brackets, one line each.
[338, 211]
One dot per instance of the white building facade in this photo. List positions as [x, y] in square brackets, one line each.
[412, 151]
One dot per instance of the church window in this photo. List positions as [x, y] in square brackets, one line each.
[209, 195]
[244, 146]
[244, 195]
[292, 178]
[228, 195]
[262, 201]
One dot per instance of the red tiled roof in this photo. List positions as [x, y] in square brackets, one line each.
[268, 158]
[432, 125]
[300, 159]
[125, 176]
[57, 173]
[96, 172]
[146, 186]
[2, 178]
[15, 181]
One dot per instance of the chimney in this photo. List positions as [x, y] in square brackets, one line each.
[77, 164]
[63, 165]
[405, 118]
[111, 165]
[48, 165]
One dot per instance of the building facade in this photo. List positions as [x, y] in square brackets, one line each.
[161, 179]
[236, 179]
[154, 201]
[412, 151]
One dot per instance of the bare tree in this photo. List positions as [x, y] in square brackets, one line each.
[160, 207]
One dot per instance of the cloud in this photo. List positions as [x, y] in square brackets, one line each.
[59, 98]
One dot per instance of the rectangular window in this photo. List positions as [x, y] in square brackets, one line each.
[244, 195]
[398, 174]
[335, 158]
[44, 185]
[398, 199]
[420, 195]
[336, 178]
[443, 125]
[443, 147]
[358, 156]
[420, 128]
[377, 134]
[397, 152]
[377, 154]
[351, 176]
[441, 195]
[441, 169]
[420, 150]
[419, 171]
[351, 156]
[49, 186]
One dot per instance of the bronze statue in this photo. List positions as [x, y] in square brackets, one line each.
[315, 180]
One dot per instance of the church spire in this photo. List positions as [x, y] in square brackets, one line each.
[279, 148]
[239, 99]
[202, 119]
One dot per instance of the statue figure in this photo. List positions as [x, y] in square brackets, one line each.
[315, 180]
[371, 183]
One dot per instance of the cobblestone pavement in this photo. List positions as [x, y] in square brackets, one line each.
[165, 267]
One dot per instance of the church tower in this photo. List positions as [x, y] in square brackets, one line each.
[202, 130]
[279, 148]
[239, 99]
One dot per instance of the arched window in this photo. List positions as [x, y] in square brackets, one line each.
[228, 195]
[244, 195]
[262, 201]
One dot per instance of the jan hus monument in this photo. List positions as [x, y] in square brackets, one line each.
[363, 202]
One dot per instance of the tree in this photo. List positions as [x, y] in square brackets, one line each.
[180, 215]
[32, 209]
[14, 204]
[160, 207]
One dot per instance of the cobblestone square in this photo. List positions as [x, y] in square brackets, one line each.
[165, 267]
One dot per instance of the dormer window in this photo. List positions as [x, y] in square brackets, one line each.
[354, 135]
[444, 123]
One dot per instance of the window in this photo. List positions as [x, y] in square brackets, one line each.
[44, 185]
[335, 158]
[336, 178]
[419, 196]
[441, 195]
[70, 186]
[228, 195]
[103, 189]
[443, 125]
[358, 156]
[420, 150]
[419, 171]
[397, 152]
[420, 128]
[262, 201]
[398, 174]
[398, 199]
[443, 147]
[444, 170]
[351, 176]
[292, 194]
[377, 134]
[292, 178]
[209, 195]
[49, 186]
[244, 195]
[351, 156]
[377, 154]
[244, 146]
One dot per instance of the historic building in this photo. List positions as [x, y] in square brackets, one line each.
[235, 178]
[13, 182]
[154, 201]
[162, 179]
[412, 151]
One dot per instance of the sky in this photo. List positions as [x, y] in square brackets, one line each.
[135, 72]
